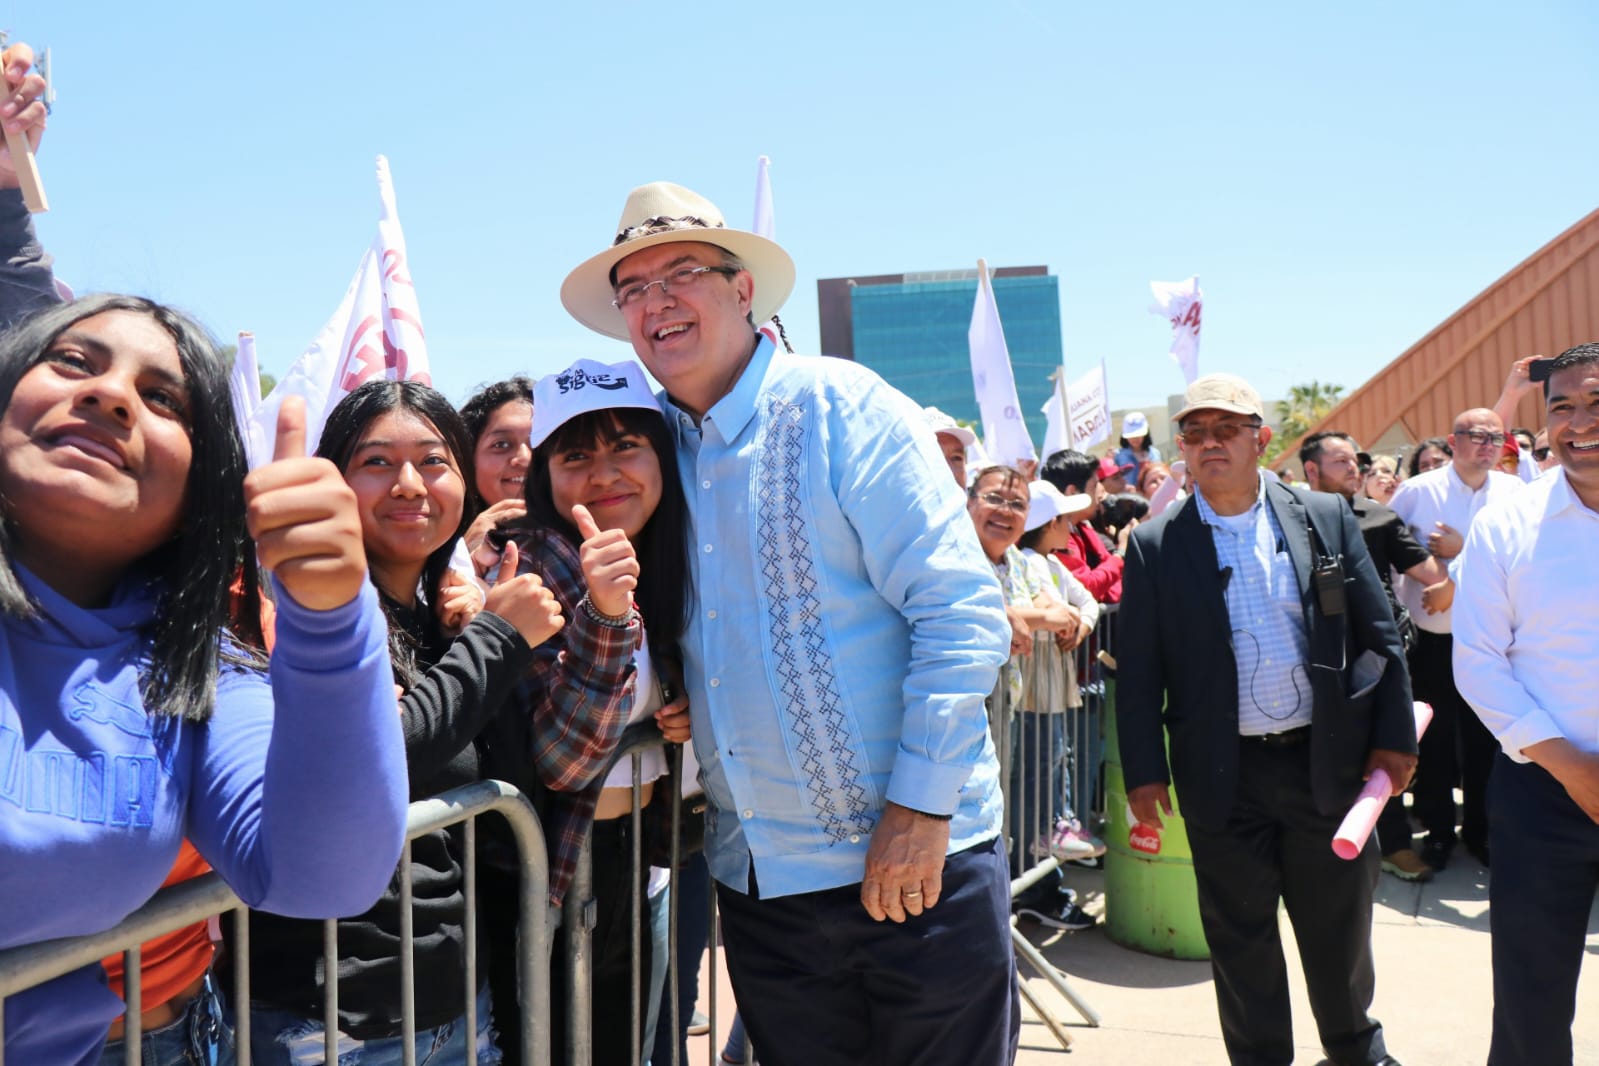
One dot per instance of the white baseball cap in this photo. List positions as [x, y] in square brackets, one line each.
[587, 386]
[1049, 503]
[939, 422]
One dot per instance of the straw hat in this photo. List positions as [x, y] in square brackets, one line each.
[662, 213]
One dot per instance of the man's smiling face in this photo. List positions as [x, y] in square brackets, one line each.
[1573, 411]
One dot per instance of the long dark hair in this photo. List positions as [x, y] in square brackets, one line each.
[195, 569]
[345, 424]
[662, 544]
[1414, 463]
[477, 411]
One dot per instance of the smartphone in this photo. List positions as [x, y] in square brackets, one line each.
[1538, 369]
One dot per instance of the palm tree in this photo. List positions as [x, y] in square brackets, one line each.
[1306, 405]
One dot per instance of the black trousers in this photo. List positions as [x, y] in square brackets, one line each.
[1276, 846]
[1456, 749]
[819, 983]
[1546, 870]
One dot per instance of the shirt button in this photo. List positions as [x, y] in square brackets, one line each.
[710, 614]
[854, 838]
[707, 549]
[749, 813]
[705, 484]
[716, 682]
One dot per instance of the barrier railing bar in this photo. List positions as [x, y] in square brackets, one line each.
[407, 964]
[469, 891]
[241, 984]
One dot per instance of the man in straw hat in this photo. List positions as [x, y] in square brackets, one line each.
[845, 631]
[1256, 635]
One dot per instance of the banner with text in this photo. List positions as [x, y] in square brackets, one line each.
[1088, 405]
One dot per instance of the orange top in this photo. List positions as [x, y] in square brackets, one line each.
[172, 962]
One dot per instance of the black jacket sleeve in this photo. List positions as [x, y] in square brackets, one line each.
[1371, 618]
[449, 706]
[26, 280]
[1140, 668]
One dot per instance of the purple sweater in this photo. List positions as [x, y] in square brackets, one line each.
[295, 790]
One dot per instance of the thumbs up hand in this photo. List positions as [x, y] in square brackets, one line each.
[523, 601]
[304, 520]
[610, 566]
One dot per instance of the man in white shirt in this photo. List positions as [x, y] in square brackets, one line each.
[1526, 639]
[1439, 507]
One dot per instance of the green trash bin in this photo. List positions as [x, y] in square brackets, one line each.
[1151, 901]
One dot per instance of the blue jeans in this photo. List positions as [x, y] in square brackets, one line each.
[200, 1037]
[284, 1038]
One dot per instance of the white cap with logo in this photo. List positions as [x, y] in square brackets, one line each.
[587, 386]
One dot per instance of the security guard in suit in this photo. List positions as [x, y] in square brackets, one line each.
[1256, 634]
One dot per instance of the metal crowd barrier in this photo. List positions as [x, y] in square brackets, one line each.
[1050, 753]
[1028, 799]
[198, 899]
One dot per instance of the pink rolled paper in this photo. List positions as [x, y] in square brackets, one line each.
[1362, 817]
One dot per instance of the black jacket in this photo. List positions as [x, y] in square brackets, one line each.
[1177, 669]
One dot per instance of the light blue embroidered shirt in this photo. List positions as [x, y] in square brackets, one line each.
[846, 625]
[1268, 620]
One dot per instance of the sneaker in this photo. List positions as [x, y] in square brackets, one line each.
[699, 1024]
[1067, 915]
[1071, 842]
[1406, 865]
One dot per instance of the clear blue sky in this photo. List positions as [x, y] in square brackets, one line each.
[1341, 177]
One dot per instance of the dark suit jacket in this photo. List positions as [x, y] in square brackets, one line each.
[1176, 666]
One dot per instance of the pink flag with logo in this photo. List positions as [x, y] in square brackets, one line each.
[375, 333]
[1181, 303]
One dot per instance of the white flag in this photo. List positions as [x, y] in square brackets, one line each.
[1057, 432]
[1181, 303]
[1088, 405]
[244, 383]
[376, 332]
[1004, 432]
[766, 226]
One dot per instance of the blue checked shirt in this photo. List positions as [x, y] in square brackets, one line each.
[846, 625]
[1267, 617]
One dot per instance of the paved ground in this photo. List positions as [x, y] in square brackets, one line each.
[1434, 992]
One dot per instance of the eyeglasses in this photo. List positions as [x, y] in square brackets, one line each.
[994, 499]
[681, 278]
[1480, 437]
[1223, 432]
[1540, 454]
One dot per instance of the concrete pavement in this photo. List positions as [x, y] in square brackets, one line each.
[1434, 984]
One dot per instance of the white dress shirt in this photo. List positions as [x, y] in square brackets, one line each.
[1526, 632]
[1440, 496]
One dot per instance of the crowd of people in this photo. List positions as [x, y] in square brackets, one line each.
[784, 566]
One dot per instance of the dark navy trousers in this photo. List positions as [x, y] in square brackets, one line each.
[819, 983]
[1546, 870]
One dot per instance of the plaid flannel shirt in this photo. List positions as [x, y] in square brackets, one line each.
[579, 692]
